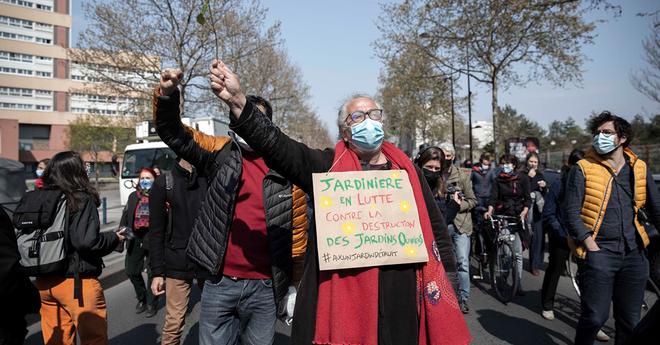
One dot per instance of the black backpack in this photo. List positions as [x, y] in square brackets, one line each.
[41, 222]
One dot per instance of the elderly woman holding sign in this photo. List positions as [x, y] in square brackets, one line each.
[379, 274]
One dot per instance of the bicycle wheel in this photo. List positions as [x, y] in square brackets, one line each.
[503, 268]
[571, 268]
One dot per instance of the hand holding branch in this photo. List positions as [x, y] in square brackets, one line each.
[227, 87]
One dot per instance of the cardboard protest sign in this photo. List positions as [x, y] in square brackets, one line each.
[366, 218]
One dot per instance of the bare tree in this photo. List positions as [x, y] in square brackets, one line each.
[416, 99]
[144, 36]
[491, 37]
[647, 81]
[140, 37]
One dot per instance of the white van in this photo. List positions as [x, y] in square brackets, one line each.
[143, 155]
[155, 153]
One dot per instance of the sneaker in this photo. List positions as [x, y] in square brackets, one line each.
[548, 314]
[601, 336]
[464, 306]
[140, 307]
[151, 311]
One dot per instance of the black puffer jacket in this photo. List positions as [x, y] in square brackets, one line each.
[168, 250]
[208, 242]
[297, 162]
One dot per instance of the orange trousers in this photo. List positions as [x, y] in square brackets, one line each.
[62, 317]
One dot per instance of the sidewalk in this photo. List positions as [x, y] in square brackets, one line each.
[113, 273]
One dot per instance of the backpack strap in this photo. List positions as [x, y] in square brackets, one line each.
[169, 183]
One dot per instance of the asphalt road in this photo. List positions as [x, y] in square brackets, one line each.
[489, 321]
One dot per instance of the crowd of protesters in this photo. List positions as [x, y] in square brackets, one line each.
[234, 215]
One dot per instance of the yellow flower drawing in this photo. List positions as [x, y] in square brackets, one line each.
[404, 206]
[348, 228]
[395, 174]
[326, 201]
[410, 250]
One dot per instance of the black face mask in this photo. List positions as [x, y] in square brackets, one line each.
[448, 163]
[432, 177]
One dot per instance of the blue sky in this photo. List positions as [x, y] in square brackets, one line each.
[331, 43]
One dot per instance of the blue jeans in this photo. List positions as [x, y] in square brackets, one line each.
[605, 277]
[462, 252]
[242, 308]
[536, 249]
[517, 253]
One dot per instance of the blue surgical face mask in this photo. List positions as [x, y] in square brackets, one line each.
[507, 168]
[604, 143]
[146, 184]
[39, 172]
[367, 135]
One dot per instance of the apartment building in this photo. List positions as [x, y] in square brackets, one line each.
[41, 89]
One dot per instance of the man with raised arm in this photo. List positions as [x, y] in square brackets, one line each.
[242, 235]
[389, 304]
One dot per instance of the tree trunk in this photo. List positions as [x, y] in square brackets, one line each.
[495, 110]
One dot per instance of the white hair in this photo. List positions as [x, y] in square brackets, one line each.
[343, 110]
[448, 148]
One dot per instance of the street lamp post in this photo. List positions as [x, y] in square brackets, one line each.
[453, 129]
[467, 62]
[425, 36]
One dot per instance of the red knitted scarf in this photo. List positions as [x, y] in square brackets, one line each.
[347, 306]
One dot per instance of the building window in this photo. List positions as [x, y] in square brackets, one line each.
[43, 40]
[14, 91]
[43, 74]
[33, 136]
[12, 70]
[19, 23]
[43, 107]
[19, 3]
[43, 92]
[15, 57]
[44, 27]
[13, 36]
[15, 106]
[44, 7]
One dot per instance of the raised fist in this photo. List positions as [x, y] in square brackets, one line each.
[226, 86]
[169, 80]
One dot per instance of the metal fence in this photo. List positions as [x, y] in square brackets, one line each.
[649, 153]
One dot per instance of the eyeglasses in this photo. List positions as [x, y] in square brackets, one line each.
[359, 116]
[605, 131]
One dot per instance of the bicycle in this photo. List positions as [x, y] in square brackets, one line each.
[479, 251]
[503, 265]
